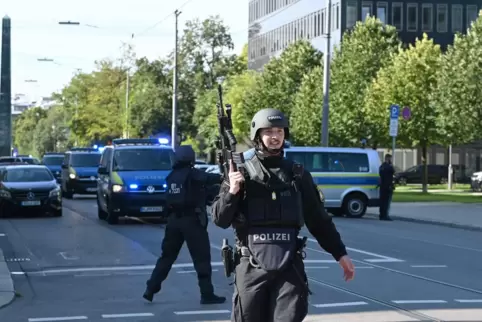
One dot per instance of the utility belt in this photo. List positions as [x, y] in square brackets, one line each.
[184, 212]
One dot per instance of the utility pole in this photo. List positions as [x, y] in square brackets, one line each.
[326, 81]
[126, 133]
[174, 89]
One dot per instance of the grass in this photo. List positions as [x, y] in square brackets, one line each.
[461, 186]
[412, 196]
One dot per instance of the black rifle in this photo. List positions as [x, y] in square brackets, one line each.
[226, 142]
[228, 259]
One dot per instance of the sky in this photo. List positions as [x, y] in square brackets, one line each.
[104, 25]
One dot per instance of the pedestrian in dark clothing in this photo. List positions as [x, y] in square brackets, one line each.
[387, 187]
[267, 210]
[186, 202]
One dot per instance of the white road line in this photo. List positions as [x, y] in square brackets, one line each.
[64, 318]
[380, 258]
[3, 235]
[469, 301]
[364, 267]
[126, 315]
[192, 271]
[419, 302]
[202, 312]
[216, 247]
[340, 304]
[66, 256]
[17, 273]
[315, 267]
[428, 266]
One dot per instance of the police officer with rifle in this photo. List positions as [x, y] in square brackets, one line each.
[186, 202]
[267, 199]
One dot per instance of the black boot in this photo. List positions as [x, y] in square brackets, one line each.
[212, 299]
[386, 218]
[149, 293]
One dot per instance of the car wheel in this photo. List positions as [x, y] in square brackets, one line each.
[355, 205]
[101, 213]
[58, 213]
[112, 218]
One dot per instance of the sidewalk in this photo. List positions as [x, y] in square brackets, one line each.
[459, 215]
[7, 292]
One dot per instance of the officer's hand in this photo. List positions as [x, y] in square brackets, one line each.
[235, 179]
[348, 268]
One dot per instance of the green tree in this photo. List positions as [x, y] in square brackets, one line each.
[24, 128]
[408, 82]
[305, 121]
[458, 98]
[51, 133]
[282, 77]
[363, 51]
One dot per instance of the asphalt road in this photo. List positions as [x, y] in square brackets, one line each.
[77, 268]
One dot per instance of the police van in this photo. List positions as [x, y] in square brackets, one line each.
[132, 179]
[79, 171]
[347, 178]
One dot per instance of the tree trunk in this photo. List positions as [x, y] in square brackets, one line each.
[424, 167]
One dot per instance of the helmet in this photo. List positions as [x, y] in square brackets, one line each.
[184, 154]
[266, 118]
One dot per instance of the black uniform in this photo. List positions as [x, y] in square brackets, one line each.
[187, 222]
[267, 216]
[386, 172]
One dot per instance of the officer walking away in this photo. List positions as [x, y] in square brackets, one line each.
[267, 211]
[386, 172]
[187, 222]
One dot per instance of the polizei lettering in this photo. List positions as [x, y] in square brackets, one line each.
[272, 237]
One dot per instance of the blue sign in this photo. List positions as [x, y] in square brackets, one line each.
[394, 112]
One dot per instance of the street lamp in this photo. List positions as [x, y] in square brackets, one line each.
[30, 81]
[75, 23]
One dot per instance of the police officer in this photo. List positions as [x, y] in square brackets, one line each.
[386, 172]
[187, 222]
[267, 211]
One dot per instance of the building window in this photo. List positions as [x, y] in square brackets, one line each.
[457, 17]
[442, 17]
[472, 14]
[412, 16]
[397, 15]
[351, 14]
[382, 9]
[427, 17]
[366, 10]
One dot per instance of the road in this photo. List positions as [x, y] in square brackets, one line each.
[77, 268]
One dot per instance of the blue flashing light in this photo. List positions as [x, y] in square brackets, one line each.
[164, 186]
[95, 146]
[163, 141]
[101, 149]
[133, 186]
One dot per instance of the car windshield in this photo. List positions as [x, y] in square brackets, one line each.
[53, 160]
[31, 160]
[28, 175]
[142, 159]
[85, 160]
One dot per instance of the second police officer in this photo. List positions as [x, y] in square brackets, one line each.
[267, 211]
[186, 202]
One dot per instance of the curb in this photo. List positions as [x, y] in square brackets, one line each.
[7, 292]
[433, 222]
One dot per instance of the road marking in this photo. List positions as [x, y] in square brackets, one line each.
[3, 235]
[469, 301]
[126, 315]
[420, 302]
[216, 247]
[315, 267]
[64, 318]
[428, 266]
[340, 304]
[202, 312]
[193, 271]
[364, 267]
[380, 258]
[17, 273]
[67, 257]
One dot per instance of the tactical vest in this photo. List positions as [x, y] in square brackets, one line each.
[178, 186]
[276, 201]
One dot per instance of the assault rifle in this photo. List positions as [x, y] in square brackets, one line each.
[226, 141]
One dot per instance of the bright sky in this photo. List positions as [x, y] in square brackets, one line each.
[37, 34]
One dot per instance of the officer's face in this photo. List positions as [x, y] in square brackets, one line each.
[273, 138]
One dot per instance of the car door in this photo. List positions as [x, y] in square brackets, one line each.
[104, 178]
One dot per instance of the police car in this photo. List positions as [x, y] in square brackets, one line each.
[79, 171]
[347, 178]
[53, 161]
[132, 179]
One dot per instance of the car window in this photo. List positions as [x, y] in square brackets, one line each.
[27, 175]
[142, 159]
[87, 160]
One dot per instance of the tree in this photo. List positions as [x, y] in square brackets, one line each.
[282, 77]
[24, 128]
[305, 121]
[51, 133]
[458, 98]
[408, 82]
[363, 51]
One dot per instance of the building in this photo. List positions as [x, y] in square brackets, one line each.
[275, 24]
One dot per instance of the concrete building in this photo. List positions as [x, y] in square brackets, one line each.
[275, 24]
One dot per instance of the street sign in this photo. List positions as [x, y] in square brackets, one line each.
[394, 114]
[406, 113]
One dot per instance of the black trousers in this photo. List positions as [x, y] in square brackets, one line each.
[178, 230]
[260, 296]
[385, 201]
